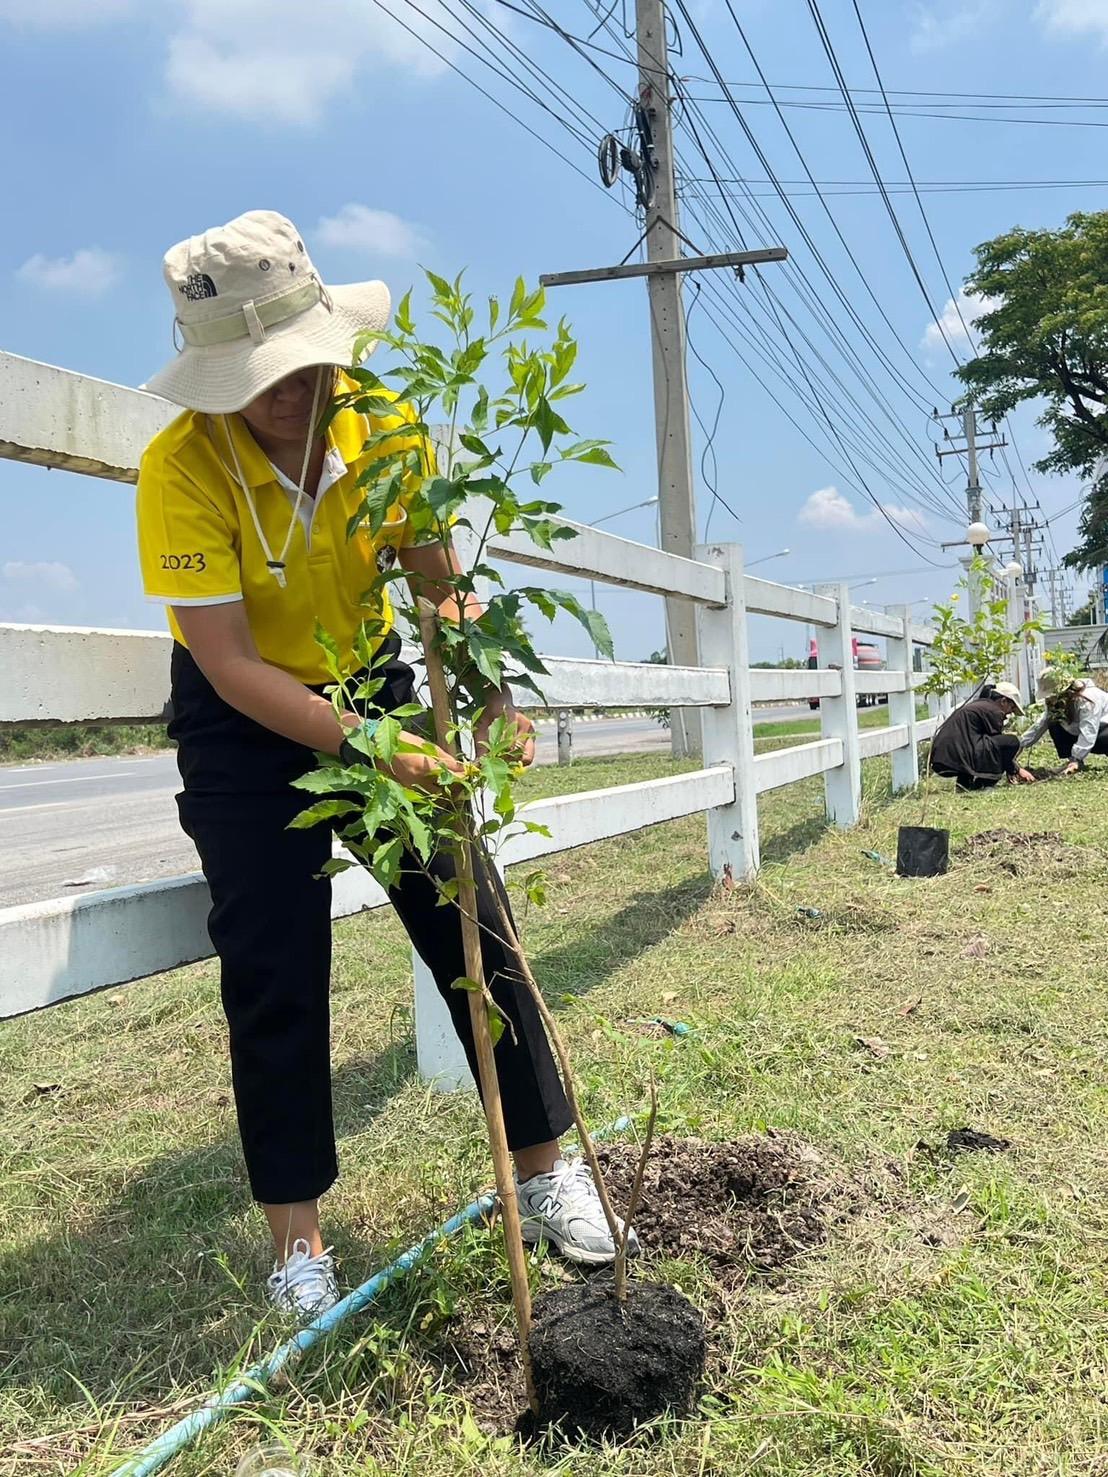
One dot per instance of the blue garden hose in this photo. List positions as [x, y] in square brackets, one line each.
[218, 1406]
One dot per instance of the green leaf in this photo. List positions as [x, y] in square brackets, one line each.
[334, 865]
[386, 862]
[386, 738]
[463, 982]
[322, 810]
[539, 471]
[544, 419]
[329, 647]
[443, 291]
[534, 886]
[497, 1022]
[485, 652]
[403, 315]
[596, 456]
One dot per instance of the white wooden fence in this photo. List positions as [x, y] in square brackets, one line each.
[51, 951]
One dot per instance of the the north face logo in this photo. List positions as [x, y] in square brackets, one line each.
[198, 286]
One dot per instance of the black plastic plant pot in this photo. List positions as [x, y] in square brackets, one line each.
[922, 851]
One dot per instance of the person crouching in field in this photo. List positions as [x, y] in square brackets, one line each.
[1075, 715]
[971, 746]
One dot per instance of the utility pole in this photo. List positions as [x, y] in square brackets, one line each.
[667, 340]
[650, 161]
[970, 432]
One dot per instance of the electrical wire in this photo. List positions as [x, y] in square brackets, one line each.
[880, 401]
[708, 454]
[833, 61]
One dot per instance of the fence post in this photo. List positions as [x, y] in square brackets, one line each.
[439, 1054]
[839, 717]
[902, 705]
[728, 733]
[565, 735]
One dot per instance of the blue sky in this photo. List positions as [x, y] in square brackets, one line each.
[132, 123]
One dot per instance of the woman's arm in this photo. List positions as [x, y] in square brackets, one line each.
[1029, 739]
[219, 639]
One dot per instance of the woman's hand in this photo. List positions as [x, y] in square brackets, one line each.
[421, 771]
[417, 770]
[500, 705]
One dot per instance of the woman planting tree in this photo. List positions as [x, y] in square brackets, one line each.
[971, 747]
[1075, 714]
[244, 509]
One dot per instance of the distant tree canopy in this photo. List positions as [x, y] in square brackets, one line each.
[1044, 335]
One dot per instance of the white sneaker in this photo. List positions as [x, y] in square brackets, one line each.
[305, 1286]
[564, 1207]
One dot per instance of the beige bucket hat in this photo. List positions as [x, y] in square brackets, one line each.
[249, 308]
[1011, 692]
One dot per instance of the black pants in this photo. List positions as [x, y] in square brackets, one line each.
[270, 924]
[994, 758]
[1064, 740]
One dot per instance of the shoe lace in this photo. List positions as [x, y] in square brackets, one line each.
[311, 1274]
[575, 1188]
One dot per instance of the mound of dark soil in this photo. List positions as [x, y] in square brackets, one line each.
[755, 1203]
[751, 1206]
[602, 1368]
[1017, 852]
[975, 1141]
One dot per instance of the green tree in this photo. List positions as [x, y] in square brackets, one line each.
[1044, 336]
[967, 652]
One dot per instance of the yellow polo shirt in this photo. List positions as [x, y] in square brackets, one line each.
[198, 544]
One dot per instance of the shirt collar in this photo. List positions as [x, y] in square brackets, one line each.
[345, 437]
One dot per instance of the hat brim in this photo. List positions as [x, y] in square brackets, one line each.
[222, 378]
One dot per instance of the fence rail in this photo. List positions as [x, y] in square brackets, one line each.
[54, 950]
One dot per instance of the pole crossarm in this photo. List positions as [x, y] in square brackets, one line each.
[673, 264]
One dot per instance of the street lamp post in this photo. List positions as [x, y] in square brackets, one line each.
[766, 557]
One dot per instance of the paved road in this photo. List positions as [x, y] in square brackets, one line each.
[114, 821]
[82, 824]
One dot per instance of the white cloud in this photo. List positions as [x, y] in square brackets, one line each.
[828, 508]
[89, 272]
[1075, 18]
[260, 60]
[48, 573]
[48, 14]
[375, 232]
[953, 329]
[935, 27]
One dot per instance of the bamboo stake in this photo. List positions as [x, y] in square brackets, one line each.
[569, 1083]
[478, 1014]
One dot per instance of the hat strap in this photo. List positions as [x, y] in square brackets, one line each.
[253, 318]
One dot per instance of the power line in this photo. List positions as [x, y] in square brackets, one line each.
[879, 400]
[836, 69]
[848, 188]
[910, 112]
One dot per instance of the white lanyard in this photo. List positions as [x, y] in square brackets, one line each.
[276, 566]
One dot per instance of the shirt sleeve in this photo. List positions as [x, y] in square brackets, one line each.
[1088, 729]
[186, 546]
[1035, 732]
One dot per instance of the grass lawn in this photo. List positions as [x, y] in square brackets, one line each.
[955, 1322]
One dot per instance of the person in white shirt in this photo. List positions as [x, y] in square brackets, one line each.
[1075, 715]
